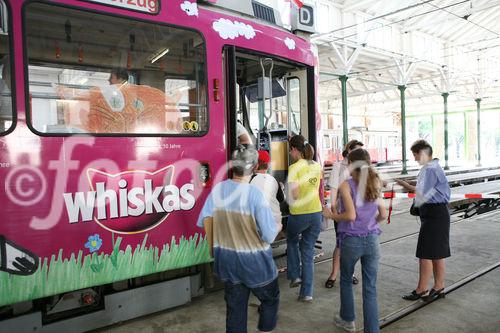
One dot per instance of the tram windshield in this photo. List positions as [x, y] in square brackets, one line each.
[271, 102]
[6, 77]
[100, 74]
[279, 106]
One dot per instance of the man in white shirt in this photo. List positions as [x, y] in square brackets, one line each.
[268, 185]
[5, 95]
[242, 135]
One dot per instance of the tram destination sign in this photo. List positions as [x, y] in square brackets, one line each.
[145, 6]
[303, 18]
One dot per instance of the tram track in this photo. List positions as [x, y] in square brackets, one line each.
[401, 313]
[408, 236]
[405, 311]
[391, 240]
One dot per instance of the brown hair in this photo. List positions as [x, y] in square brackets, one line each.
[305, 148]
[262, 166]
[420, 145]
[350, 146]
[120, 73]
[373, 183]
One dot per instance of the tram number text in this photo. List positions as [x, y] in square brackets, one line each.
[150, 6]
[171, 146]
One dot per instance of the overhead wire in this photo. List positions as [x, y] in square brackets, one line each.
[436, 8]
[376, 18]
[344, 38]
[384, 25]
[416, 61]
[461, 17]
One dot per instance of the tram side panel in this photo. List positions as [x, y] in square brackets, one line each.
[105, 179]
[104, 182]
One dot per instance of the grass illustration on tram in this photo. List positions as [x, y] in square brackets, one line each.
[59, 275]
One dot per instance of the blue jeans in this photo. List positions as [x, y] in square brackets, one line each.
[236, 296]
[367, 249]
[307, 225]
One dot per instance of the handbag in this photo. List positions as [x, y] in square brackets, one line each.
[414, 209]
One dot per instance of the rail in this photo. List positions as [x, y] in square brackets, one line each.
[394, 317]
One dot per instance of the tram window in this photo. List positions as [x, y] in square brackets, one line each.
[326, 142]
[255, 92]
[92, 73]
[294, 98]
[6, 113]
[279, 115]
[331, 121]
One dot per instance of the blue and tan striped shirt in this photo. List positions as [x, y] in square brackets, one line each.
[243, 228]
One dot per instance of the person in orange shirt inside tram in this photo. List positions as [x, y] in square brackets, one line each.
[123, 107]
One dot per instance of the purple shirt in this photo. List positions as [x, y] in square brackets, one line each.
[366, 213]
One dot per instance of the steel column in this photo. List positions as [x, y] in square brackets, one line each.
[345, 131]
[478, 108]
[402, 89]
[445, 100]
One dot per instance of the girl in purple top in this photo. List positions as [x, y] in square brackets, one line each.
[360, 210]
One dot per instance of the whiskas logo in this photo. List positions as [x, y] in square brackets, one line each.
[130, 201]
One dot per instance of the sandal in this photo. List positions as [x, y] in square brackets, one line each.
[355, 280]
[329, 283]
[413, 296]
[433, 295]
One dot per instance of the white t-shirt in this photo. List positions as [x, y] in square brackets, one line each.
[269, 187]
[340, 173]
[5, 100]
[240, 129]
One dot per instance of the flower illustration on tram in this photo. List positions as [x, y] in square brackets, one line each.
[94, 243]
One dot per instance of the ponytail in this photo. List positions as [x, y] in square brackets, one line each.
[360, 157]
[305, 148]
[308, 151]
[372, 185]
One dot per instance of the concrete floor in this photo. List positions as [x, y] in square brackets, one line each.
[472, 308]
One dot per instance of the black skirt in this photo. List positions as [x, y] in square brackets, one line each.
[434, 236]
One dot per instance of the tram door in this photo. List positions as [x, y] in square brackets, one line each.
[269, 97]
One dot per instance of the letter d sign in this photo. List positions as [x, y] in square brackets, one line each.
[303, 18]
[306, 16]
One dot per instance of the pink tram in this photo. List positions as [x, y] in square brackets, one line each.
[384, 146]
[116, 119]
